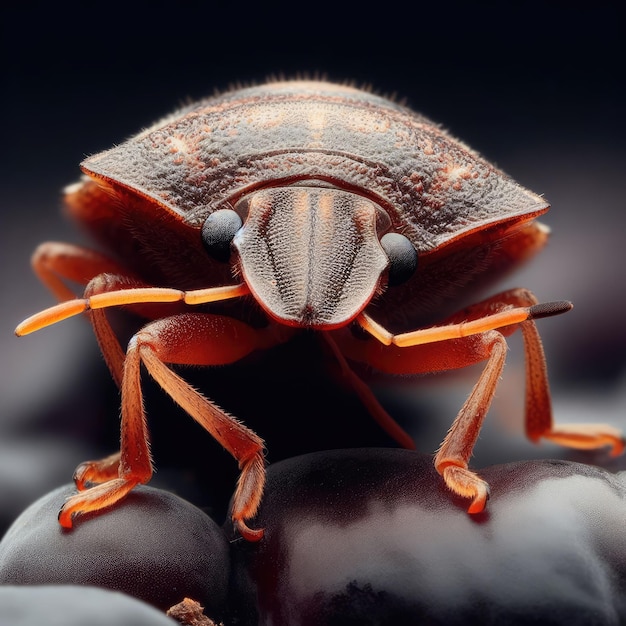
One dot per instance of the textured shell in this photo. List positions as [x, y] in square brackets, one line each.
[434, 188]
[311, 256]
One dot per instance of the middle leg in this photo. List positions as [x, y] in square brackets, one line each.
[198, 339]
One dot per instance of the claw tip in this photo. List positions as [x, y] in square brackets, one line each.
[248, 533]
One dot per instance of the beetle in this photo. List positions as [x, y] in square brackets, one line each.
[324, 207]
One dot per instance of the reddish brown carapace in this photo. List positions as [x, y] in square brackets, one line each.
[328, 207]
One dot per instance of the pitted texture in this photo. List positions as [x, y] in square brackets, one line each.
[434, 187]
[311, 256]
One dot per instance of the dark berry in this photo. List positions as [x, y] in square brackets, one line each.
[152, 545]
[374, 537]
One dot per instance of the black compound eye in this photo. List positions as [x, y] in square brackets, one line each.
[402, 257]
[218, 232]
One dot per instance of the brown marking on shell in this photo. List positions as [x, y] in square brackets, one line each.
[262, 136]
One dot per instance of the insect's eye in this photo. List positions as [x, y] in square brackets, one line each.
[218, 232]
[402, 257]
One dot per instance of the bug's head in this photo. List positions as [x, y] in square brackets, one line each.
[312, 255]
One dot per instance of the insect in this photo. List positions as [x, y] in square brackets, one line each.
[326, 208]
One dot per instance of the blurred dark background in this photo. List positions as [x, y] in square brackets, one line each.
[538, 88]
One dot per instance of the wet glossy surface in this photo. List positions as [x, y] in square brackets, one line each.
[373, 537]
[154, 546]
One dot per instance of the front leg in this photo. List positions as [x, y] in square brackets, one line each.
[471, 336]
[198, 339]
[452, 458]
